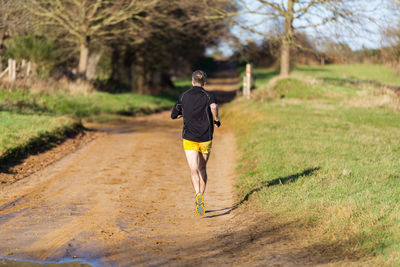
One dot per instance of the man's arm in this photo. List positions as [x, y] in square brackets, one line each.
[176, 112]
[214, 111]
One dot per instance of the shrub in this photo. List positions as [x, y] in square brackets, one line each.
[38, 50]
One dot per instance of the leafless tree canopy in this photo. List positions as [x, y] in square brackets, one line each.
[144, 40]
[285, 18]
[89, 21]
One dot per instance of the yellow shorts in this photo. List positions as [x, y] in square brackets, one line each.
[202, 147]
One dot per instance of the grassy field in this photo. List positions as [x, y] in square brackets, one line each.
[351, 72]
[326, 157]
[26, 118]
[22, 101]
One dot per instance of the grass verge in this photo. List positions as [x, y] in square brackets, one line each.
[34, 122]
[351, 72]
[29, 134]
[92, 104]
[325, 156]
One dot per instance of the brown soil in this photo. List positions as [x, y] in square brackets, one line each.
[125, 199]
[11, 174]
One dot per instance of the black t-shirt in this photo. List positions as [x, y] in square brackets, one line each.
[194, 106]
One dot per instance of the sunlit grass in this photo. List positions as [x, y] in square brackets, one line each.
[18, 130]
[27, 116]
[327, 157]
[22, 101]
[380, 73]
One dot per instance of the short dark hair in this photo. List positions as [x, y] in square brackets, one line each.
[199, 77]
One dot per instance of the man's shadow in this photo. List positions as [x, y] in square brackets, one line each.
[277, 181]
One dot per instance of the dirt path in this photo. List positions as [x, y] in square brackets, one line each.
[126, 199]
[123, 199]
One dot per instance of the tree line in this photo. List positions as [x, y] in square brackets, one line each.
[138, 43]
[291, 26]
[309, 51]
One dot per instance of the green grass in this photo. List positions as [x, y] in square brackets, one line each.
[29, 120]
[260, 75]
[327, 157]
[22, 101]
[21, 134]
[172, 94]
[351, 72]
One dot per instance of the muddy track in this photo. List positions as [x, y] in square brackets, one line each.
[126, 199]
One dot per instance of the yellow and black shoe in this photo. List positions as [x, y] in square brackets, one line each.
[200, 209]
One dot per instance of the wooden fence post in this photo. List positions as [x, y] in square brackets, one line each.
[28, 68]
[247, 82]
[9, 69]
[14, 69]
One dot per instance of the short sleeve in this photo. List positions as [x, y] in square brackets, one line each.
[213, 99]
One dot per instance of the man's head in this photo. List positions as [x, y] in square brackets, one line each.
[199, 78]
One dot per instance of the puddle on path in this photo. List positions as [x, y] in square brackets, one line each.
[17, 263]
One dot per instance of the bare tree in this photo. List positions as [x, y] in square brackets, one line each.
[391, 37]
[290, 16]
[84, 22]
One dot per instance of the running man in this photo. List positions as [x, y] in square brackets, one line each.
[199, 110]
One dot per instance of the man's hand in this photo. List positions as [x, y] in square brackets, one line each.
[214, 111]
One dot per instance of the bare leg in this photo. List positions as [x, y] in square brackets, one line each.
[193, 159]
[197, 163]
[203, 171]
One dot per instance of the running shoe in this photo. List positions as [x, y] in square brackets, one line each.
[200, 209]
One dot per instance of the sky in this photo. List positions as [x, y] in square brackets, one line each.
[368, 35]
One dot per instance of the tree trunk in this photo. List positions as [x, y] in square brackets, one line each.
[142, 76]
[115, 66]
[122, 74]
[322, 61]
[285, 59]
[92, 65]
[83, 60]
[4, 35]
[141, 79]
[130, 71]
[287, 40]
